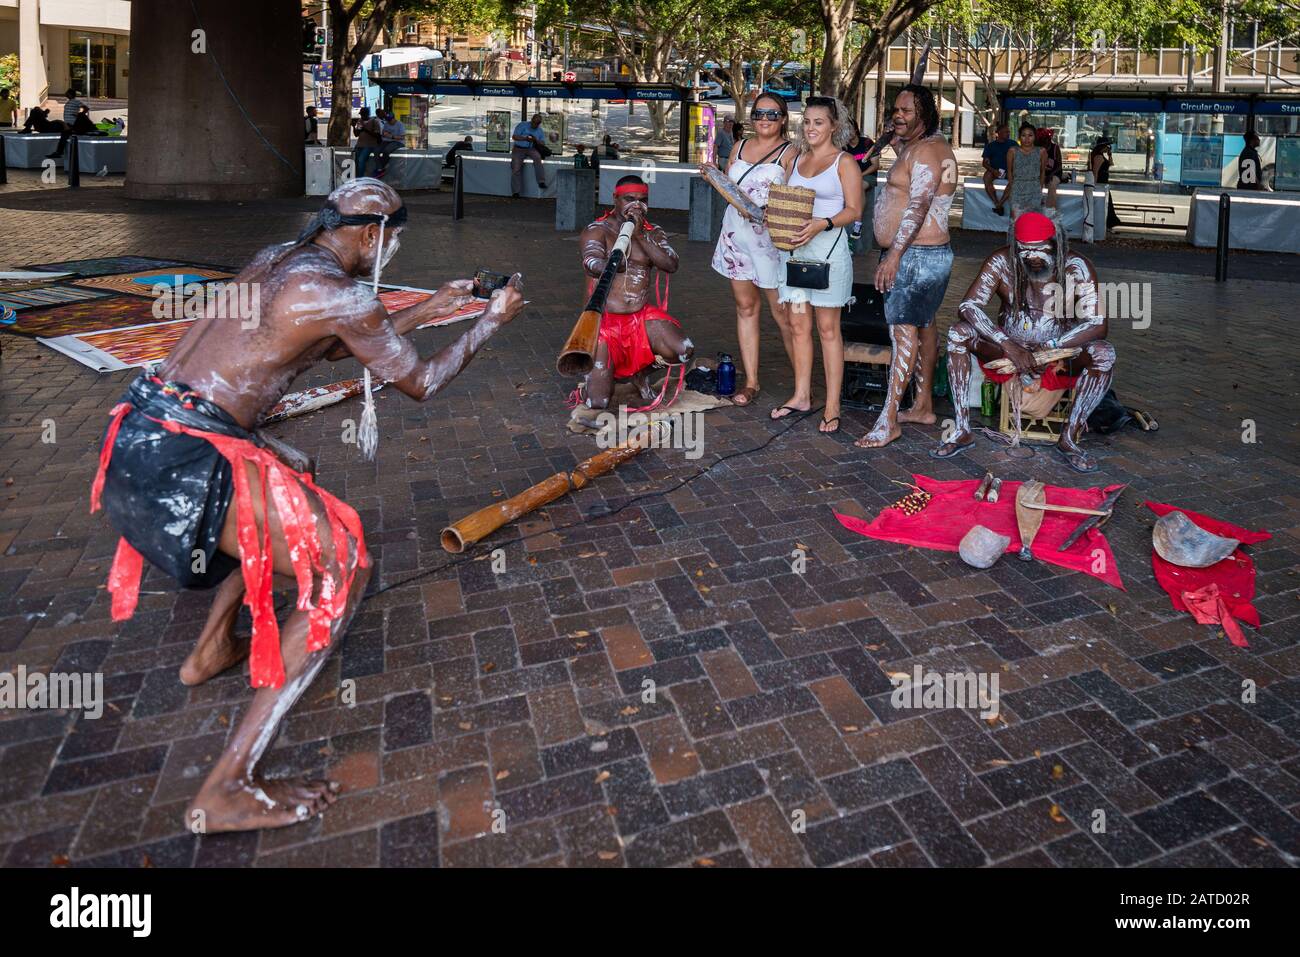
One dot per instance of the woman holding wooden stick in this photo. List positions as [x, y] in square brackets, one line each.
[745, 253]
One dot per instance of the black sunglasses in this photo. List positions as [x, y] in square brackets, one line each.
[765, 114]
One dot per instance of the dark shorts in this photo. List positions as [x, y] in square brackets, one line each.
[168, 494]
[922, 280]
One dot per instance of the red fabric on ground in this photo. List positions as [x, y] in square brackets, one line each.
[1234, 576]
[1051, 378]
[1208, 608]
[953, 512]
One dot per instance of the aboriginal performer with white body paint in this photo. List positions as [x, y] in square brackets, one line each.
[911, 226]
[836, 181]
[1049, 300]
[194, 489]
[745, 253]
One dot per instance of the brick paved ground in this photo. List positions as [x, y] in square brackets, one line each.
[521, 691]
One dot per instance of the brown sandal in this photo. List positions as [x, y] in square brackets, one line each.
[749, 394]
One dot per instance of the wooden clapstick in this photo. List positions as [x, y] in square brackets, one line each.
[1004, 366]
[732, 193]
[579, 353]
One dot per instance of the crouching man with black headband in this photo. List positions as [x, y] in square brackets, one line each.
[193, 489]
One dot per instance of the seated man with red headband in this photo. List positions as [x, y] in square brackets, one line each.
[1048, 301]
[632, 332]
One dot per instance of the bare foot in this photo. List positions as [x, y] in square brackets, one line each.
[215, 652]
[258, 804]
[878, 437]
[917, 416]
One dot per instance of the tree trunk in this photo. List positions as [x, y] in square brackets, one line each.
[345, 60]
[837, 15]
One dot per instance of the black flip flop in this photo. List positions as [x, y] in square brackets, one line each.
[957, 449]
[833, 418]
[788, 409]
[1068, 457]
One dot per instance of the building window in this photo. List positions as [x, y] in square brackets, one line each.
[92, 64]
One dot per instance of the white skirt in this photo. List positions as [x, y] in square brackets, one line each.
[840, 288]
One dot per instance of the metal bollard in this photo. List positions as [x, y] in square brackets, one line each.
[73, 164]
[458, 190]
[1221, 252]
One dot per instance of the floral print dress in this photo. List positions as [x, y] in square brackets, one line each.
[745, 249]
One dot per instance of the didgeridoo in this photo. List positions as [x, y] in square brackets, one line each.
[457, 537]
[729, 191]
[579, 352]
[887, 132]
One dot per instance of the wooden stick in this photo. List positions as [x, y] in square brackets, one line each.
[470, 529]
[1003, 366]
[1045, 507]
[729, 191]
[317, 397]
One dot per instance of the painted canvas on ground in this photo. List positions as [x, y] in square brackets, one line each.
[143, 283]
[106, 266]
[117, 349]
[94, 315]
[39, 296]
[395, 300]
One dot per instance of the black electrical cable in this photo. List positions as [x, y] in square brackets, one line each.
[222, 74]
[460, 559]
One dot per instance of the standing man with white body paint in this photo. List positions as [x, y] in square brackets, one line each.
[911, 225]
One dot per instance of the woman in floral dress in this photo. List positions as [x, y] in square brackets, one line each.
[745, 253]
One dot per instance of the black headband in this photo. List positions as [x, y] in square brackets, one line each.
[329, 217]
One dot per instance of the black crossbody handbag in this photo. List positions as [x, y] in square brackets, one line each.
[811, 273]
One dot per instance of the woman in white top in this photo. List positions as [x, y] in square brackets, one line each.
[745, 253]
[833, 175]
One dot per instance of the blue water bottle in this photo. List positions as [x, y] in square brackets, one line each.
[726, 374]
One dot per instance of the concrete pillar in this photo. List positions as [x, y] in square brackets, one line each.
[707, 207]
[966, 113]
[575, 199]
[31, 61]
[191, 137]
[868, 122]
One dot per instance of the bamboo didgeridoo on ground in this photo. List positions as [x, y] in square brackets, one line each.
[456, 538]
[729, 191]
[578, 355]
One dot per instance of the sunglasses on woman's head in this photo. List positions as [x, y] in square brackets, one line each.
[825, 101]
[765, 114]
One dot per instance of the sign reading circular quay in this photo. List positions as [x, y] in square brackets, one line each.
[1144, 102]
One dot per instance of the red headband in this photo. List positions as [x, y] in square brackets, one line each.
[640, 189]
[1034, 228]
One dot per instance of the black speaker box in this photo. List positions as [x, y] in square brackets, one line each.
[864, 318]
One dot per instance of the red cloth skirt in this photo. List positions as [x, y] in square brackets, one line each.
[625, 336]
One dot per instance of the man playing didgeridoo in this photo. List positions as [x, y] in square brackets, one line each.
[911, 226]
[194, 490]
[632, 332]
[1048, 301]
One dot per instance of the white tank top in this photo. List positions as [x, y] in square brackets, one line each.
[826, 184]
